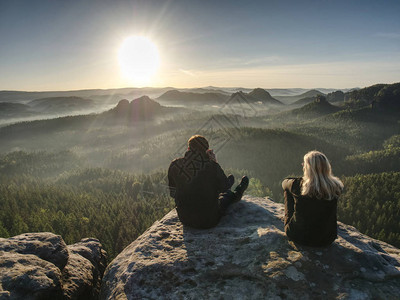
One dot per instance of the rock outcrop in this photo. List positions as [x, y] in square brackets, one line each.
[42, 266]
[137, 110]
[247, 256]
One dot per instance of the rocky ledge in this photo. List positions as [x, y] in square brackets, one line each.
[42, 266]
[247, 256]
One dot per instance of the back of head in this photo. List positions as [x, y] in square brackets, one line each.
[198, 143]
[318, 180]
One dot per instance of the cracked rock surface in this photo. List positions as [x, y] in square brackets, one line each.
[247, 256]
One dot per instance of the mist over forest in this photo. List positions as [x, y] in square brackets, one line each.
[93, 162]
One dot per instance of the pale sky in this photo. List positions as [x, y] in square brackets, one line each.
[67, 45]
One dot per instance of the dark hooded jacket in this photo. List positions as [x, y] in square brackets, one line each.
[308, 221]
[195, 182]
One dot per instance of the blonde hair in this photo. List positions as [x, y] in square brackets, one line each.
[318, 180]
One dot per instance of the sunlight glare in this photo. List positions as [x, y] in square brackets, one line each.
[139, 59]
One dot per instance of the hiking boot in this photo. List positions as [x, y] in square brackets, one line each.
[231, 181]
[239, 190]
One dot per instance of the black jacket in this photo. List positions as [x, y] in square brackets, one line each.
[308, 221]
[195, 182]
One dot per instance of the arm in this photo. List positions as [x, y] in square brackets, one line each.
[222, 180]
[171, 181]
[289, 201]
[211, 155]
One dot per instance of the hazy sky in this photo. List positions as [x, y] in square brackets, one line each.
[66, 44]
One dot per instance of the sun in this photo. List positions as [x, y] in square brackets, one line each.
[139, 59]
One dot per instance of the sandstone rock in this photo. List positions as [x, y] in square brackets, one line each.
[84, 271]
[78, 278]
[45, 245]
[247, 256]
[41, 266]
[25, 276]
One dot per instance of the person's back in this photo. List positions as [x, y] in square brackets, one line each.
[196, 181]
[313, 222]
[311, 202]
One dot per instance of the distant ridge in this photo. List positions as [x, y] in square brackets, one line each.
[189, 98]
[263, 96]
[292, 99]
[54, 104]
[333, 97]
[192, 98]
[311, 93]
[7, 107]
[11, 110]
[303, 101]
[111, 95]
[318, 107]
[204, 90]
[106, 95]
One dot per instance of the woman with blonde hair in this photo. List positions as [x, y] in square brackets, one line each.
[311, 202]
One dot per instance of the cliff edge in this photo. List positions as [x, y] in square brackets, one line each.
[247, 256]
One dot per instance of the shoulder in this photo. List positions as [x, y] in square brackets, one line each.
[175, 162]
[214, 163]
[292, 184]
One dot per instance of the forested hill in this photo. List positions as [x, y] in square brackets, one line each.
[292, 99]
[8, 109]
[263, 96]
[55, 104]
[318, 107]
[385, 96]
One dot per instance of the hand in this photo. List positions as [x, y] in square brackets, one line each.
[211, 155]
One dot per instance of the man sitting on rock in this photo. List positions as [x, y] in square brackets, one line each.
[200, 187]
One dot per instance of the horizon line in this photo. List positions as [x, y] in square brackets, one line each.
[182, 88]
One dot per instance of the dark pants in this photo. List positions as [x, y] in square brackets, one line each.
[289, 207]
[228, 197]
[225, 199]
